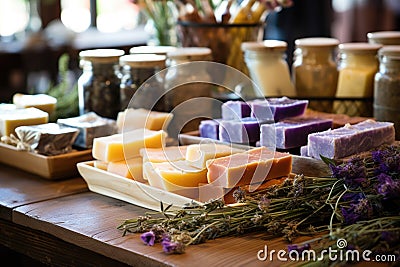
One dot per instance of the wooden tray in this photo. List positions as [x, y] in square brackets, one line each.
[48, 167]
[131, 191]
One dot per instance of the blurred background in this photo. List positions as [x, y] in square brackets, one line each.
[34, 34]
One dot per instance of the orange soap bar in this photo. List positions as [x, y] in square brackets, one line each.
[250, 167]
[169, 153]
[131, 168]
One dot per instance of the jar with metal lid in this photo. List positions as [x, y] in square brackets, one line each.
[266, 61]
[387, 87]
[99, 84]
[314, 69]
[135, 70]
[357, 65]
[384, 37]
[152, 49]
[185, 82]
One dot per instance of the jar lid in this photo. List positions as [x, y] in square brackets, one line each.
[101, 55]
[143, 60]
[266, 46]
[317, 42]
[152, 49]
[384, 37]
[190, 53]
[390, 51]
[359, 48]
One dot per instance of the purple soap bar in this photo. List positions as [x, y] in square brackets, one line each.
[277, 108]
[350, 139]
[304, 151]
[235, 110]
[209, 129]
[293, 132]
[244, 131]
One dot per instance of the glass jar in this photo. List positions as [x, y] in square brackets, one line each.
[135, 70]
[266, 61]
[384, 37]
[152, 49]
[314, 70]
[357, 65]
[387, 87]
[186, 82]
[99, 84]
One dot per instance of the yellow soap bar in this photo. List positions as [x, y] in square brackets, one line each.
[11, 119]
[172, 176]
[131, 168]
[43, 102]
[126, 145]
[169, 153]
[102, 165]
[251, 167]
[131, 119]
[198, 154]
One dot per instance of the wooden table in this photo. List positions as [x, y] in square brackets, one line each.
[62, 223]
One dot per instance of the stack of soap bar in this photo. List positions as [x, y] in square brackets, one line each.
[251, 167]
[243, 131]
[209, 129]
[233, 110]
[90, 126]
[350, 139]
[43, 102]
[54, 139]
[293, 132]
[277, 108]
[127, 145]
[173, 176]
[7, 107]
[11, 119]
[131, 168]
[198, 154]
[169, 153]
[131, 119]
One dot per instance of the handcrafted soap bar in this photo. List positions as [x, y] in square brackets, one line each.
[293, 132]
[209, 129]
[102, 165]
[43, 102]
[7, 107]
[234, 110]
[277, 108]
[350, 139]
[131, 168]
[90, 126]
[172, 176]
[11, 119]
[243, 131]
[198, 154]
[127, 145]
[250, 167]
[169, 153]
[53, 140]
[131, 119]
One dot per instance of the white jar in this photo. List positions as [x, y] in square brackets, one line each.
[268, 68]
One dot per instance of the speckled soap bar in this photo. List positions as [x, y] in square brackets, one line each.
[209, 129]
[277, 108]
[350, 139]
[293, 132]
[234, 110]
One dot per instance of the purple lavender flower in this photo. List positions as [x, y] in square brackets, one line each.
[391, 238]
[388, 161]
[298, 248]
[387, 187]
[148, 238]
[170, 247]
[264, 203]
[352, 172]
[358, 211]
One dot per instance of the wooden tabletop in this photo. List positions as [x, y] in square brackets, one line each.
[62, 223]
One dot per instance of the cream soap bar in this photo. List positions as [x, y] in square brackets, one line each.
[350, 139]
[131, 119]
[43, 102]
[198, 154]
[173, 176]
[90, 126]
[169, 153]
[131, 168]
[118, 147]
[11, 119]
[250, 167]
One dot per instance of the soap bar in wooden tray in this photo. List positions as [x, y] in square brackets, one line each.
[48, 167]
